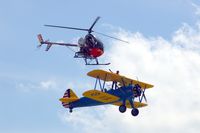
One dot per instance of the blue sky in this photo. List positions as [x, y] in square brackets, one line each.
[32, 80]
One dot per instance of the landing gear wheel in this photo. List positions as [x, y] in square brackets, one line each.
[134, 112]
[122, 108]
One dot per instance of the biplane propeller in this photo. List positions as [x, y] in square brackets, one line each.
[136, 88]
[123, 93]
[90, 48]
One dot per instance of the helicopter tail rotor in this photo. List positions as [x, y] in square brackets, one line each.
[41, 41]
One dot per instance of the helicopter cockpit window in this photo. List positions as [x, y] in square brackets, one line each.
[99, 44]
[88, 40]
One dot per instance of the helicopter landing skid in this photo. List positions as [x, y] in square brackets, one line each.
[88, 59]
[97, 62]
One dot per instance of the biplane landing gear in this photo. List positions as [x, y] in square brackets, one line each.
[70, 110]
[122, 108]
[134, 112]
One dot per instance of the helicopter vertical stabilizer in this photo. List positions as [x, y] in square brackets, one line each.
[40, 38]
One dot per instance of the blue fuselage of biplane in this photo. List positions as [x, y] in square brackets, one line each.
[124, 93]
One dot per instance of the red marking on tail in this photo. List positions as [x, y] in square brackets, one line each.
[66, 94]
[40, 38]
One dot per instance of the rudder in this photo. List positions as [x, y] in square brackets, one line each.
[69, 96]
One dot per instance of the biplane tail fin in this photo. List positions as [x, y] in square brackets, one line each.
[69, 96]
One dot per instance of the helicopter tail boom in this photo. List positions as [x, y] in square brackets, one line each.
[49, 43]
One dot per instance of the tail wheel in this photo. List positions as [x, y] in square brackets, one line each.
[70, 110]
[122, 108]
[134, 112]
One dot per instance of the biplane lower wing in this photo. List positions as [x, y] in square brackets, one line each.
[136, 104]
[109, 76]
[100, 96]
[108, 98]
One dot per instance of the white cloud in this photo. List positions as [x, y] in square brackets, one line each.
[188, 37]
[47, 85]
[197, 7]
[57, 85]
[173, 66]
[42, 85]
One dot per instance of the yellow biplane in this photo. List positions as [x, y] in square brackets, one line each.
[123, 92]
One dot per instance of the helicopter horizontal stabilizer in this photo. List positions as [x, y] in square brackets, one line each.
[48, 46]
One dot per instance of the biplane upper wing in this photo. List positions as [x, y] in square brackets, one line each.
[109, 76]
[100, 96]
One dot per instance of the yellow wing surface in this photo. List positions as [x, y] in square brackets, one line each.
[136, 104]
[68, 100]
[108, 98]
[109, 76]
[100, 96]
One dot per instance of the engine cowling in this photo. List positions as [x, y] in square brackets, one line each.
[137, 90]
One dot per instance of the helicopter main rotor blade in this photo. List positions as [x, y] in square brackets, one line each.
[111, 37]
[73, 28]
[90, 29]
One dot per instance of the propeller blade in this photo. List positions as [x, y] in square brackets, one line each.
[73, 28]
[90, 29]
[111, 37]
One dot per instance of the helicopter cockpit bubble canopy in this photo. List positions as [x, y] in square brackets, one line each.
[92, 41]
[99, 44]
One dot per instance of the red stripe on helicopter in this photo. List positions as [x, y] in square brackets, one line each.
[95, 52]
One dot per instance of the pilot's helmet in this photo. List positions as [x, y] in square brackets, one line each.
[81, 41]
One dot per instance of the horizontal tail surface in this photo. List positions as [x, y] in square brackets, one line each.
[69, 96]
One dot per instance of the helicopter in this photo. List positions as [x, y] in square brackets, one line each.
[90, 47]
